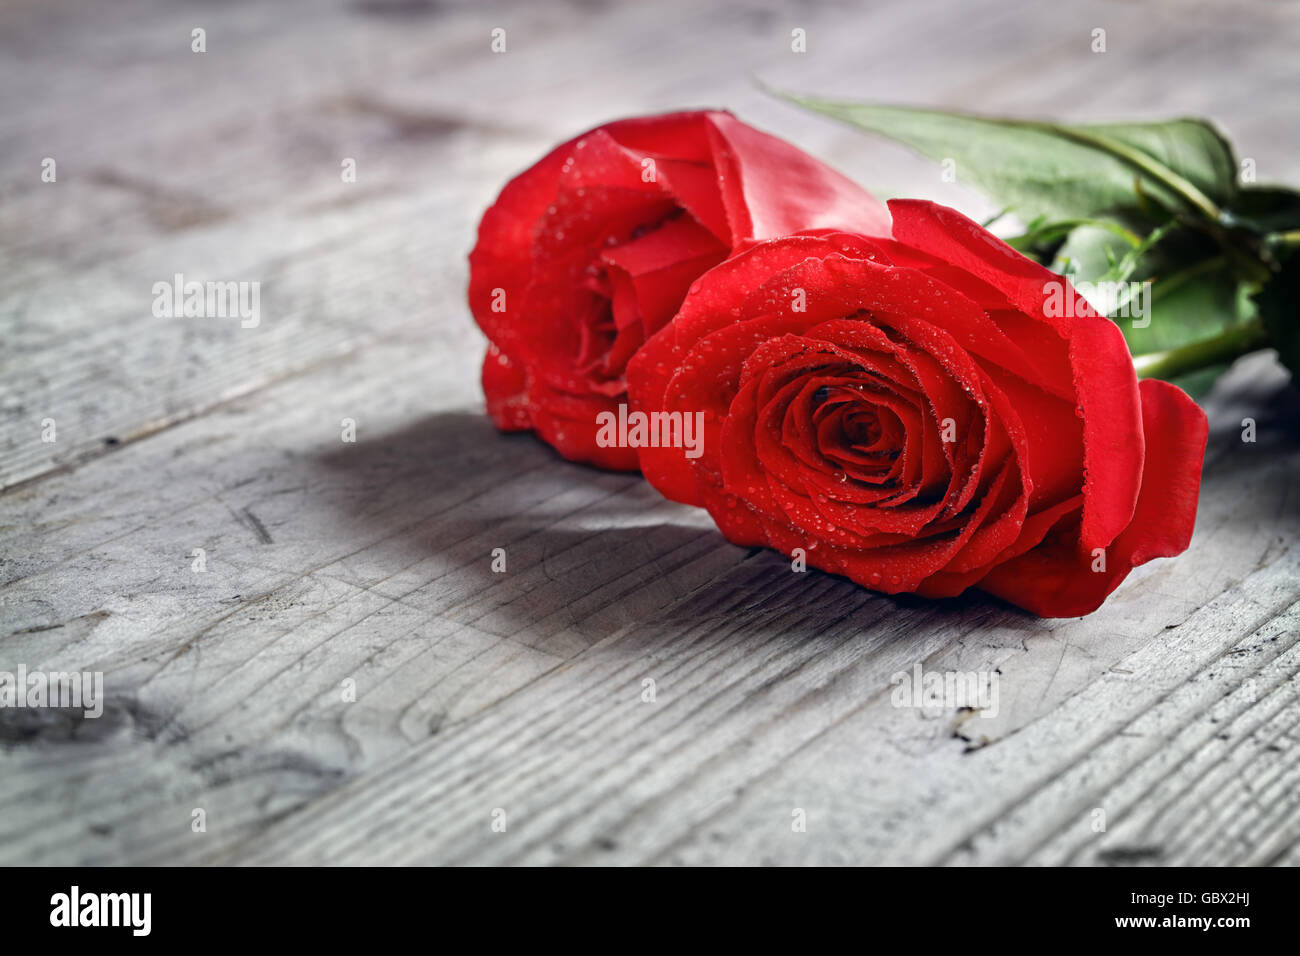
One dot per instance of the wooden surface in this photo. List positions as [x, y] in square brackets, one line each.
[1173, 709]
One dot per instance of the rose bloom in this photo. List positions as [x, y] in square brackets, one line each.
[923, 413]
[588, 253]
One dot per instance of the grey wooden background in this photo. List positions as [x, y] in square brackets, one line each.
[1173, 709]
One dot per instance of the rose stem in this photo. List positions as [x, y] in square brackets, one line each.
[1229, 344]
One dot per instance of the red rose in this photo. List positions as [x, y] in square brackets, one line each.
[590, 252]
[944, 413]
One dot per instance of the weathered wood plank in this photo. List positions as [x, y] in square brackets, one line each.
[377, 570]
[1172, 709]
[386, 583]
[730, 764]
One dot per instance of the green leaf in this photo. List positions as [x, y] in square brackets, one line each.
[1191, 305]
[1123, 269]
[1063, 171]
[1087, 253]
[1193, 148]
[1265, 209]
[1042, 238]
[1279, 308]
[1194, 293]
[1195, 362]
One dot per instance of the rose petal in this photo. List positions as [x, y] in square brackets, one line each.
[1105, 387]
[1057, 580]
[772, 189]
